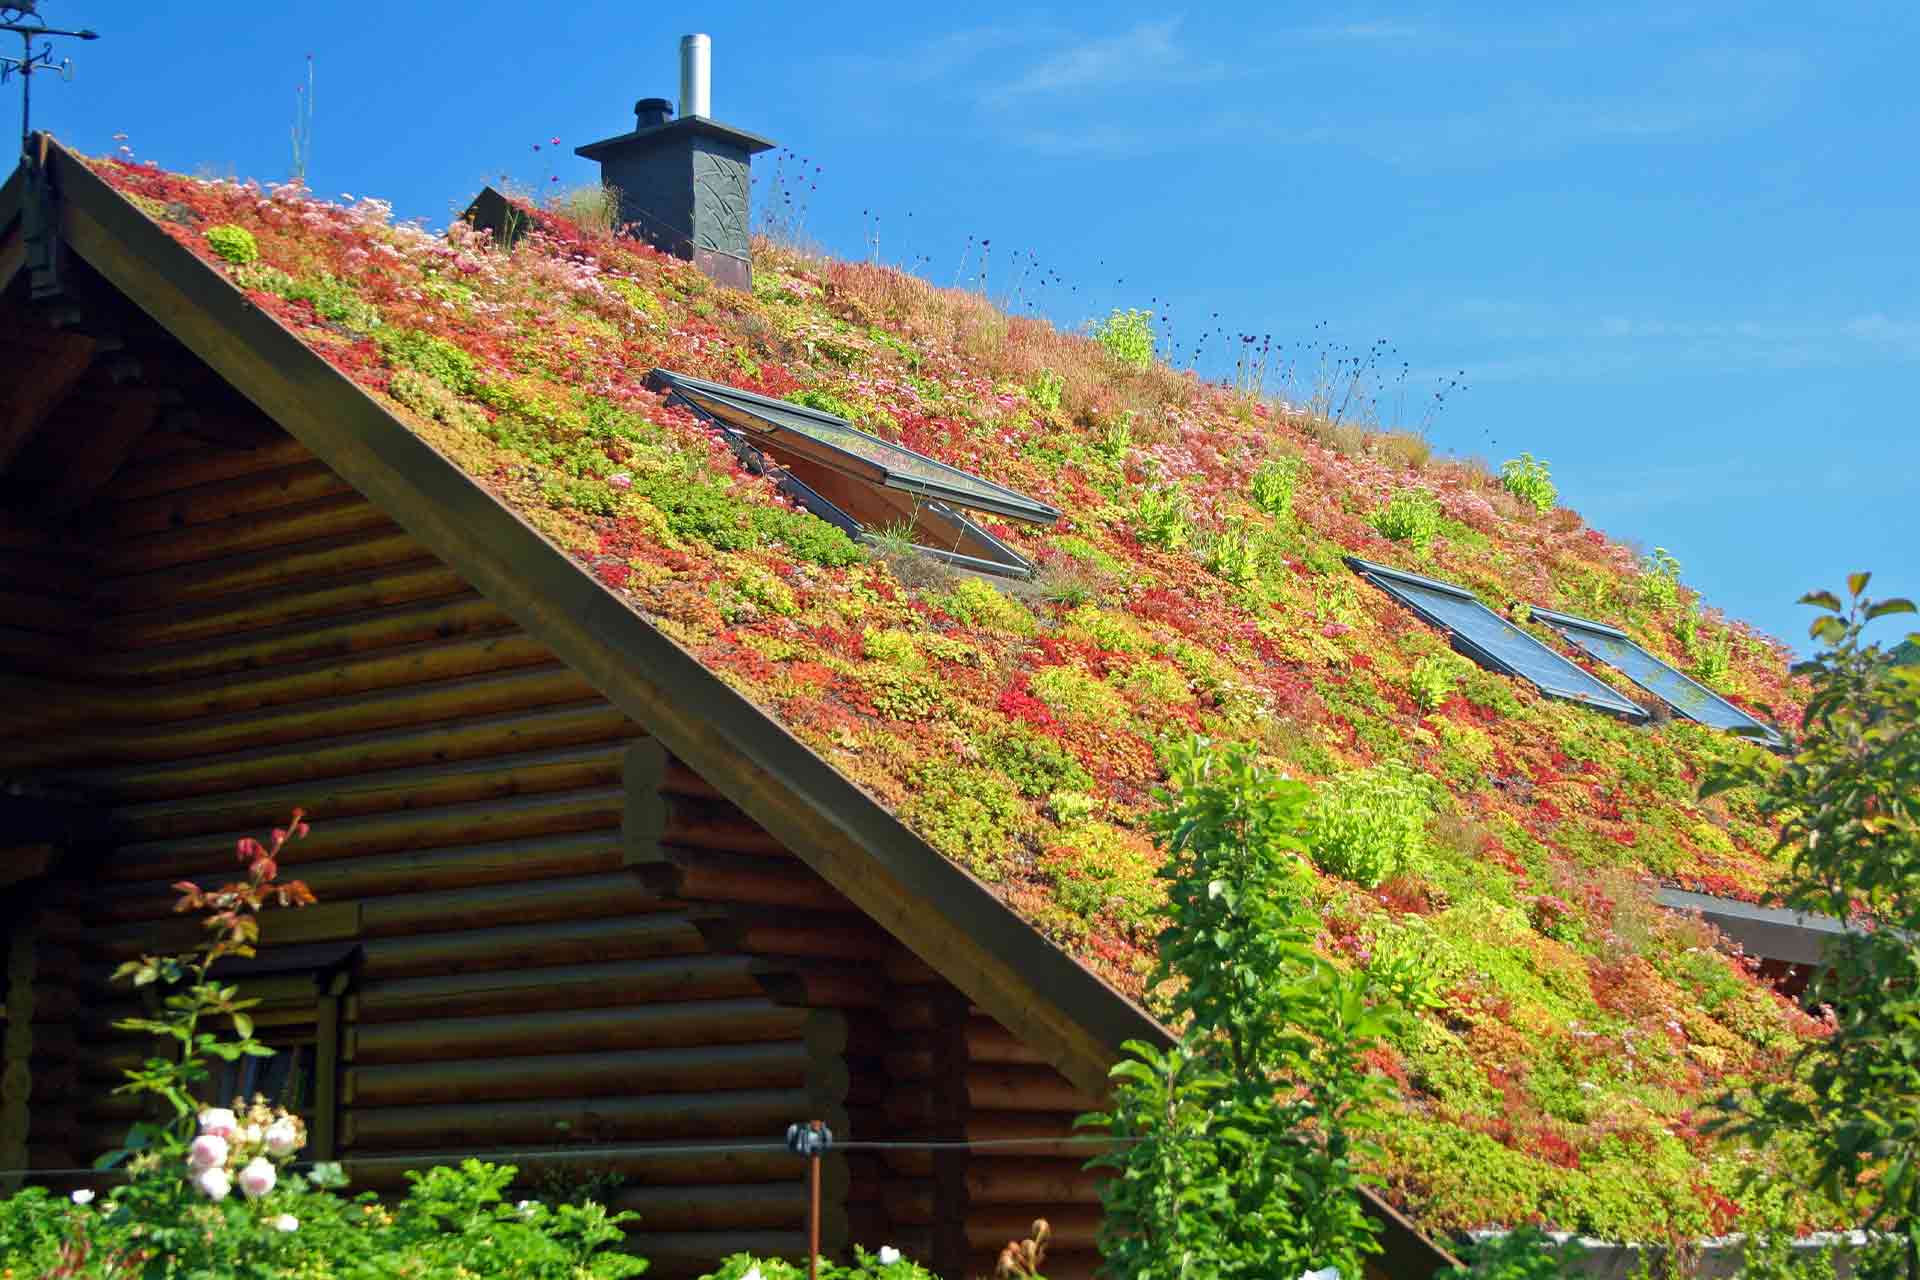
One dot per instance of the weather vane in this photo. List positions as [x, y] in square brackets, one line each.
[23, 16]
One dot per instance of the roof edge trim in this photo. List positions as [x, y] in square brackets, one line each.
[1584, 624]
[1367, 566]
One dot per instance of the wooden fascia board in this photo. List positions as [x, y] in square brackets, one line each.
[947, 917]
[13, 239]
[951, 919]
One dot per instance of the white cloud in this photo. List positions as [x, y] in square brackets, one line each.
[1148, 54]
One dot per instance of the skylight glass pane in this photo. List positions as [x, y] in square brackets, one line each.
[1491, 640]
[1685, 695]
[898, 467]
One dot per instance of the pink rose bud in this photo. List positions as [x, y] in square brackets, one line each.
[209, 1151]
[282, 1138]
[257, 1178]
[219, 1121]
[213, 1184]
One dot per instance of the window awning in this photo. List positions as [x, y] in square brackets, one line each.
[1491, 640]
[1687, 696]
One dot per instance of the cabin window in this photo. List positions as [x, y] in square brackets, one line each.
[858, 481]
[1492, 641]
[1687, 696]
[300, 990]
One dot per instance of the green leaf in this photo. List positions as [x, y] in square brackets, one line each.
[1831, 630]
[243, 1026]
[1822, 599]
[1885, 607]
[1857, 582]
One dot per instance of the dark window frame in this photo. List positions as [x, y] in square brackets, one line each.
[286, 979]
[1612, 702]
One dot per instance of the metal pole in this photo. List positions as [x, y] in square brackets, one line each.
[26, 91]
[813, 1208]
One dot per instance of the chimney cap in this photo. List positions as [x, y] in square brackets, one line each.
[660, 134]
[651, 112]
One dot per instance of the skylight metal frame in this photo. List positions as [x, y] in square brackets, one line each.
[810, 432]
[751, 454]
[1570, 625]
[1603, 699]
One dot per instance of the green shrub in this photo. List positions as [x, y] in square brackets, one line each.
[336, 300]
[1234, 555]
[1369, 824]
[969, 814]
[1160, 518]
[435, 357]
[1044, 390]
[1527, 478]
[1127, 336]
[1660, 579]
[235, 244]
[1525, 1253]
[1713, 662]
[1411, 516]
[1036, 764]
[1432, 680]
[885, 1263]
[826, 402]
[1272, 486]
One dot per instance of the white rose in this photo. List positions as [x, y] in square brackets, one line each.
[286, 1222]
[1324, 1273]
[888, 1255]
[83, 1196]
[209, 1151]
[249, 1135]
[219, 1122]
[282, 1138]
[257, 1178]
[752, 1272]
[213, 1183]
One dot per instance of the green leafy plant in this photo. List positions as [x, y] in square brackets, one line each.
[1433, 679]
[1660, 578]
[235, 244]
[1233, 554]
[1411, 516]
[1847, 802]
[1240, 1146]
[884, 1263]
[1525, 1253]
[1528, 479]
[1127, 336]
[1160, 519]
[1371, 823]
[1271, 488]
[1044, 390]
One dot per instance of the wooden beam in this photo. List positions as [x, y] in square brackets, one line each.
[13, 256]
[38, 391]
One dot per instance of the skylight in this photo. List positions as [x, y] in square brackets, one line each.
[859, 481]
[1685, 695]
[1492, 641]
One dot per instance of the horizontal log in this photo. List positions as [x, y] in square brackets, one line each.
[1027, 1181]
[453, 824]
[309, 563]
[1035, 1135]
[617, 937]
[479, 739]
[828, 987]
[779, 1065]
[706, 875]
[992, 1227]
[220, 500]
[672, 1254]
[44, 615]
[695, 1163]
[909, 1201]
[197, 465]
[432, 870]
[285, 685]
[517, 905]
[1023, 1088]
[774, 933]
[587, 986]
[695, 822]
[698, 1022]
[725, 1113]
[327, 518]
[436, 621]
[988, 1041]
[408, 584]
[766, 1205]
[422, 788]
[327, 718]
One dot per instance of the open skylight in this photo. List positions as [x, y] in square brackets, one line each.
[858, 481]
[1687, 696]
[1492, 641]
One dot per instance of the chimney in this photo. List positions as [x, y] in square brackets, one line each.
[683, 182]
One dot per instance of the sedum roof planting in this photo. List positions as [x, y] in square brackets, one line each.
[1194, 581]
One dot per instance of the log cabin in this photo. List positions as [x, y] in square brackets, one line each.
[648, 820]
[577, 894]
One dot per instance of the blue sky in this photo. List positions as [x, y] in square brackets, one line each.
[1672, 247]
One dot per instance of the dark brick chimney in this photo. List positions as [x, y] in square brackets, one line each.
[683, 183]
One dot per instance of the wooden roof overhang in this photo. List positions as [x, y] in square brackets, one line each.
[946, 916]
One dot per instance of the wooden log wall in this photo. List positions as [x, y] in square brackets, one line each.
[572, 946]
